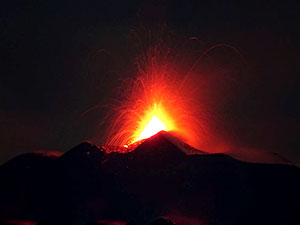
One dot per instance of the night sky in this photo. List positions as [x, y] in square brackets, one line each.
[46, 49]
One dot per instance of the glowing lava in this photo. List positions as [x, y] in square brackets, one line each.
[152, 121]
[153, 127]
[152, 102]
[161, 97]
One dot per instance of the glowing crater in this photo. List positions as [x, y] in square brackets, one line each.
[154, 126]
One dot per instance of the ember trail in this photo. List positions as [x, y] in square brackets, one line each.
[159, 98]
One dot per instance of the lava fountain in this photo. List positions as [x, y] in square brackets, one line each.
[174, 88]
[154, 126]
[160, 97]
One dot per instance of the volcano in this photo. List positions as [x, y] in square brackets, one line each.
[161, 178]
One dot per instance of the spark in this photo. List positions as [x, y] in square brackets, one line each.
[166, 94]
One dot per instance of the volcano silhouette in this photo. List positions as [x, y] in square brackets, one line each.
[161, 178]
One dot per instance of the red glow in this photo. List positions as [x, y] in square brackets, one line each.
[189, 87]
[158, 99]
[153, 127]
[172, 90]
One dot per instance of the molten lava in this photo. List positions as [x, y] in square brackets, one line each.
[155, 100]
[162, 96]
[152, 121]
[154, 126]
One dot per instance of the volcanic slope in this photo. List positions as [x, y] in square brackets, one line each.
[162, 177]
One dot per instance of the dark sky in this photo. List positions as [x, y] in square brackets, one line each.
[46, 46]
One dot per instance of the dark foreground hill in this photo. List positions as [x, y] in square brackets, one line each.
[155, 180]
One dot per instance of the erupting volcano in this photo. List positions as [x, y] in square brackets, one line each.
[165, 95]
[149, 112]
[161, 116]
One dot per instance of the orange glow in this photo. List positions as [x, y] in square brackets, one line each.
[154, 121]
[152, 103]
[163, 96]
[153, 127]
